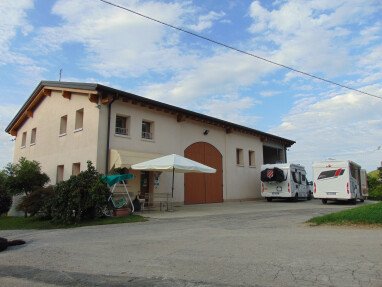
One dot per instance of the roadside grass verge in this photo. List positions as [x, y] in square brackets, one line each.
[12, 223]
[370, 214]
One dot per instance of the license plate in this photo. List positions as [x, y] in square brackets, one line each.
[275, 193]
[331, 193]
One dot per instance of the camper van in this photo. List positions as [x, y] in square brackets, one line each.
[284, 181]
[337, 180]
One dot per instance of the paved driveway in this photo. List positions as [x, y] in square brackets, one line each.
[230, 244]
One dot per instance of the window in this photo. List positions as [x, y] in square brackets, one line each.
[296, 177]
[24, 139]
[303, 179]
[251, 158]
[122, 125]
[76, 168]
[79, 120]
[60, 173]
[33, 136]
[147, 130]
[239, 156]
[63, 125]
[331, 173]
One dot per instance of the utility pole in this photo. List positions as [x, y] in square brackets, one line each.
[59, 79]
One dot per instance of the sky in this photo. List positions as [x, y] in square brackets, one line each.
[98, 43]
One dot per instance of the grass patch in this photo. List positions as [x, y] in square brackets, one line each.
[12, 223]
[370, 214]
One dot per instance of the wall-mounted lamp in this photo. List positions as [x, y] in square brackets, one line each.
[206, 132]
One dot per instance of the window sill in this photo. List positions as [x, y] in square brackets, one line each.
[24, 146]
[147, 140]
[122, 136]
[32, 144]
[240, 165]
[78, 130]
[252, 166]
[62, 135]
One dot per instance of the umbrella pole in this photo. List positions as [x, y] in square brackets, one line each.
[172, 190]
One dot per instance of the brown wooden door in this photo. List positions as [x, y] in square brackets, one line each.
[204, 187]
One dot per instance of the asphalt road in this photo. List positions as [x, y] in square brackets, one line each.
[230, 244]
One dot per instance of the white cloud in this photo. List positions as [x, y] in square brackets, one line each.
[344, 126]
[13, 20]
[269, 94]
[7, 112]
[206, 21]
[223, 73]
[231, 108]
[314, 41]
[313, 35]
[119, 43]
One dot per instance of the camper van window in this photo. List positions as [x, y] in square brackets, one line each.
[296, 177]
[353, 172]
[331, 173]
[303, 178]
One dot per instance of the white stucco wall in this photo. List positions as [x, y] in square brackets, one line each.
[170, 136]
[51, 149]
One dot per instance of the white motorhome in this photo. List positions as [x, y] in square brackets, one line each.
[337, 180]
[284, 181]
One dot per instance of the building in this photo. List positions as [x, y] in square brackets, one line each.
[62, 125]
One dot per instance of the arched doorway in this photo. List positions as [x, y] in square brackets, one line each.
[204, 187]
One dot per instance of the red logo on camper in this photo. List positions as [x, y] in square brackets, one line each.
[270, 173]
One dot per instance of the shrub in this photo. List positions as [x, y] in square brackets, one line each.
[5, 202]
[5, 197]
[376, 193]
[37, 202]
[79, 197]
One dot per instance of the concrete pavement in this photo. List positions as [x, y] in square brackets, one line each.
[230, 244]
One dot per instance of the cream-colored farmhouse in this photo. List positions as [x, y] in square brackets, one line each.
[62, 125]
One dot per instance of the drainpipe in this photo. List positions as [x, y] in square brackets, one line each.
[108, 135]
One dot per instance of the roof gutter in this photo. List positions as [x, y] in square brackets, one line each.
[108, 135]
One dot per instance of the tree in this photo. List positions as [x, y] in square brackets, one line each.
[375, 185]
[5, 197]
[25, 177]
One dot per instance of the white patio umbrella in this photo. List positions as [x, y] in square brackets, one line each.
[173, 163]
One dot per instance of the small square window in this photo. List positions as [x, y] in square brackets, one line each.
[63, 124]
[24, 139]
[79, 119]
[147, 130]
[33, 136]
[251, 158]
[239, 156]
[76, 168]
[122, 124]
[60, 173]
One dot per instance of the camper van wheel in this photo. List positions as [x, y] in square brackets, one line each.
[324, 201]
[309, 197]
[269, 199]
[295, 199]
[353, 201]
[362, 200]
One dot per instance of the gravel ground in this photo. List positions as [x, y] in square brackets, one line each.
[230, 244]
